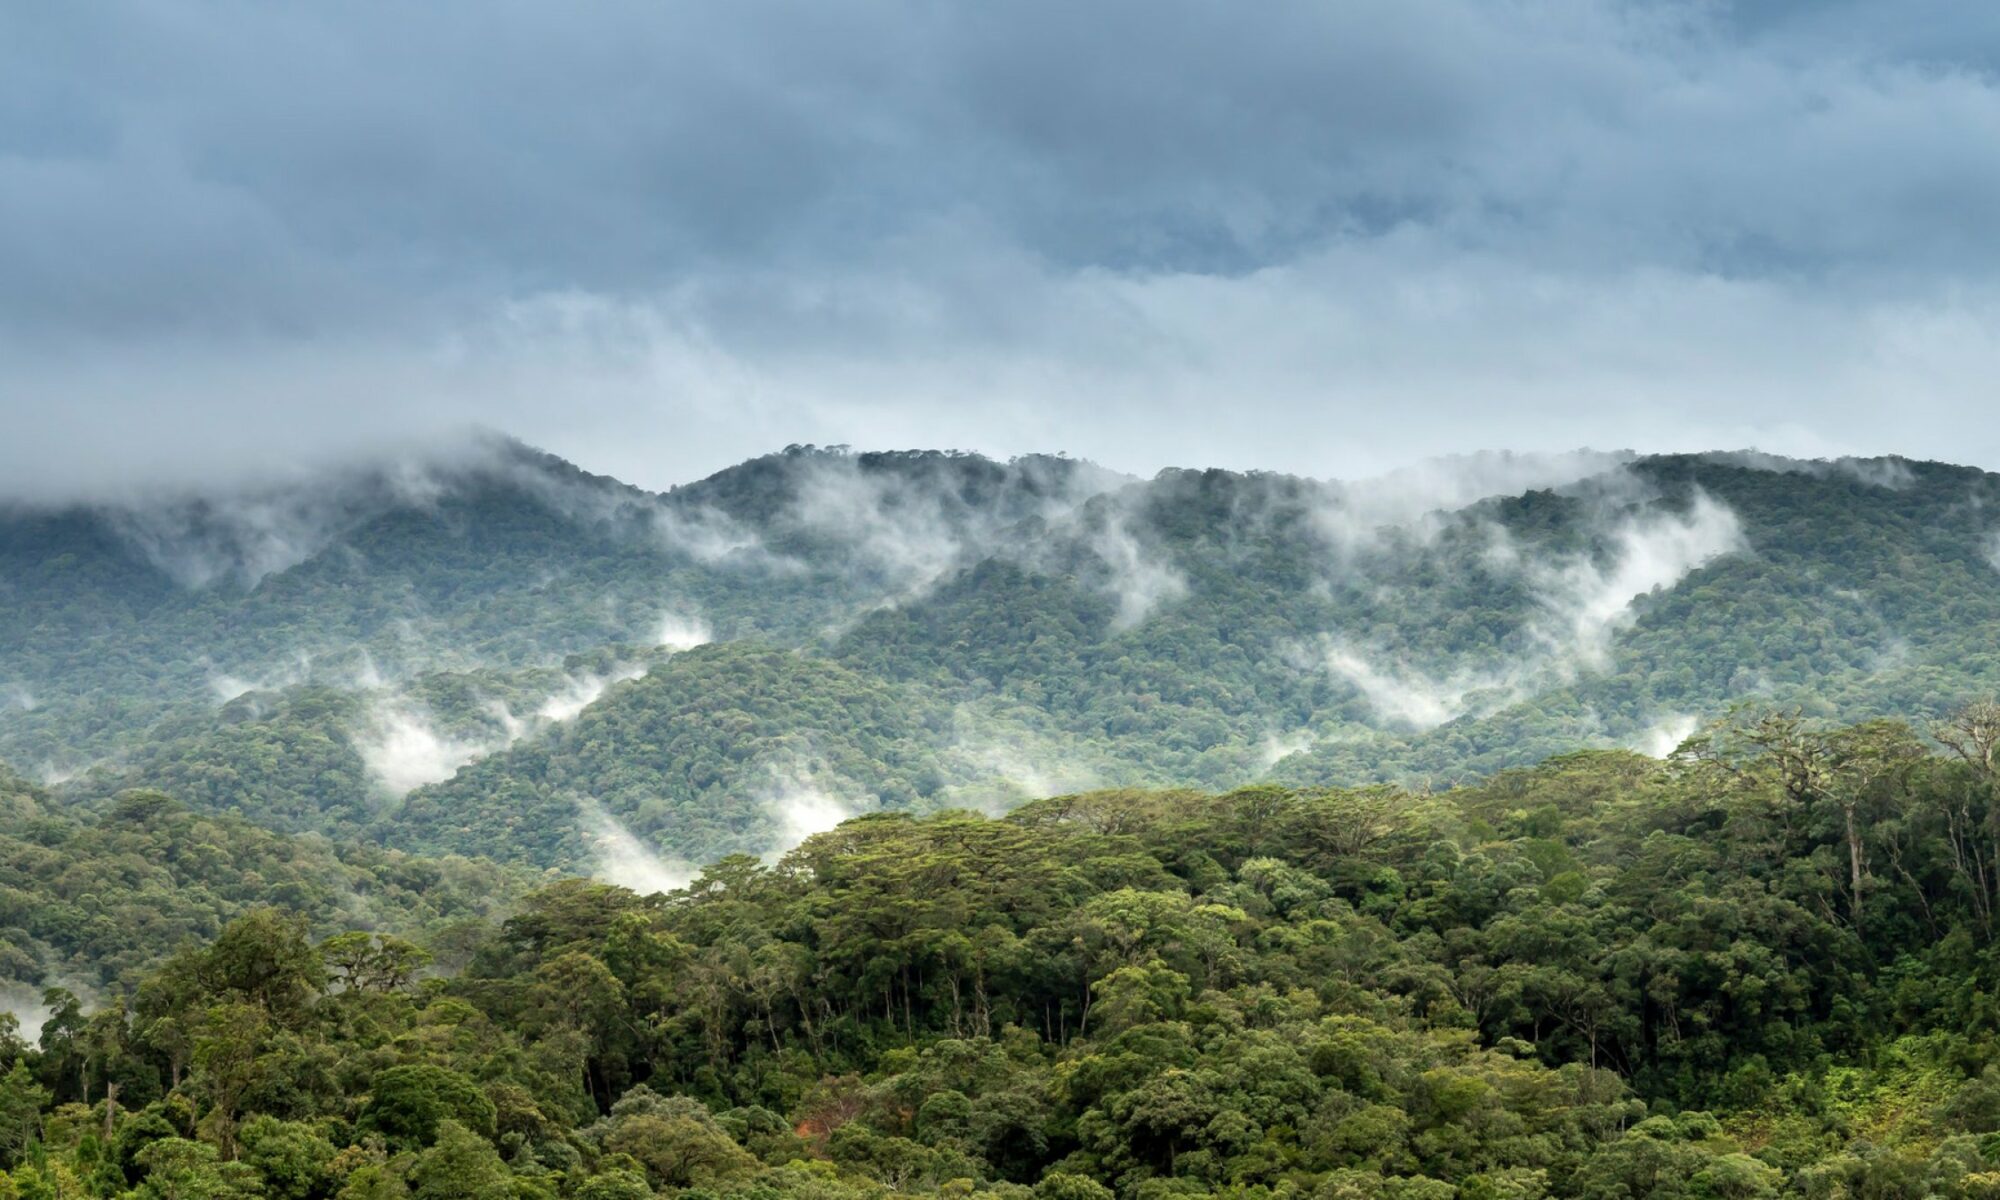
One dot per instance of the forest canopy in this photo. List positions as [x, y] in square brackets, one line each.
[1765, 966]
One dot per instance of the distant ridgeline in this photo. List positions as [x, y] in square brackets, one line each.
[488, 651]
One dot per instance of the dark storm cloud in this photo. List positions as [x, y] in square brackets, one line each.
[661, 236]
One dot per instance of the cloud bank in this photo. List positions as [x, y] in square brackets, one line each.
[1325, 240]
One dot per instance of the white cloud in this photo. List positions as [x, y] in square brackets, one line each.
[25, 1005]
[1665, 735]
[677, 631]
[1411, 698]
[710, 537]
[1892, 474]
[52, 774]
[226, 686]
[800, 805]
[581, 691]
[1021, 763]
[1584, 600]
[1587, 601]
[622, 859]
[403, 748]
[1140, 579]
[1277, 747]
[1419, 496]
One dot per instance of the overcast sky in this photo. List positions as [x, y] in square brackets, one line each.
[659, 237]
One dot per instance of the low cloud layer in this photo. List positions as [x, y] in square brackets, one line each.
[1009, 763]
[1421, 497]
[1326, 239]
[1409, 698]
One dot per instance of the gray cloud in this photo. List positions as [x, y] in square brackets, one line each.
[661, 237]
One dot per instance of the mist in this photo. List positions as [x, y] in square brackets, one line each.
[621, 858]
[798, 805]
[1588, 601]
[404, 749]
[1889, 473]
[712, 537]
[1409, 698]
[24, 1004]
[678, 632]
[1277, 747]
[226, 686]
[235, 530]
[1011, 763]
[1663, 737]
[1139, 578]
[1421, 497]
[1583, 602]
[581, 691]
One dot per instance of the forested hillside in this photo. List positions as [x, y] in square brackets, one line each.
[491, 652]
[92, 904]
[1766, 967]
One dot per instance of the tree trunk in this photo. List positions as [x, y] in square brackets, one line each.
[1853, 861]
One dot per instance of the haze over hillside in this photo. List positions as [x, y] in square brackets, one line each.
[484, 649]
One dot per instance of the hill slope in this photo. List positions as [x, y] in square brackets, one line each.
[490, 652]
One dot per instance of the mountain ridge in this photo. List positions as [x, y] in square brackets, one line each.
[1022, 626]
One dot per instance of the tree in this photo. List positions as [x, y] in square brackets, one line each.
[265, 957]
[21, 1103]
[62, 1041]
[676, 1139]
[178, 1169]
[408, 1104]
[460, 1165]
[373, 962]
[615, 1184]
[1844, 768]
[228, 1040]
[291, 1157]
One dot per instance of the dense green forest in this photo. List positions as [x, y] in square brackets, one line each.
[490, 655]
[1766, 966]
[92, 903]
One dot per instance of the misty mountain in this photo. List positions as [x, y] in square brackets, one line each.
[488, 650]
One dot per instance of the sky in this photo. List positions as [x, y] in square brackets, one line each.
[659, 237]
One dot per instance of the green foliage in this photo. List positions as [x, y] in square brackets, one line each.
[461, 1165]
[21, 1103]
[920, 631]
[102, 899]
[1765, 966]
[409, 1104]
[1603, 977]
